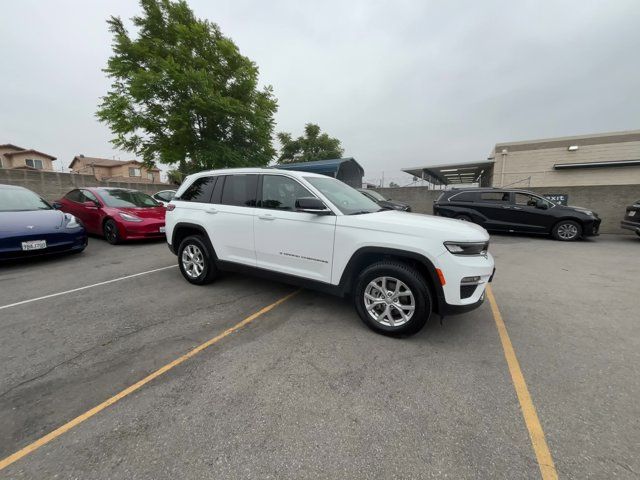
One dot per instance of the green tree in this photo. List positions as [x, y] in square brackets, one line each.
[312, 146]
[183, 93]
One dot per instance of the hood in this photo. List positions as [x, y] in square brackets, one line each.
[417, 224]
[31, 221]
[157, 213]
[577, 209]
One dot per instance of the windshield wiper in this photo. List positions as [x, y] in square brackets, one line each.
[362, 212]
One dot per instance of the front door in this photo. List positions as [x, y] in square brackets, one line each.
[527, 217]
[288, 241]
[91, 217]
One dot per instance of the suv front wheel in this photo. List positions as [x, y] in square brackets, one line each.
[196, 261]
[392, 298]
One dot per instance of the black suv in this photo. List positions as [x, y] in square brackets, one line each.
[506, 210]
[632, 218]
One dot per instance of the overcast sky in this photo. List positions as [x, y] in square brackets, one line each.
[400, 83]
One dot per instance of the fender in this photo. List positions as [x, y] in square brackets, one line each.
[433, 282]
[190, 226]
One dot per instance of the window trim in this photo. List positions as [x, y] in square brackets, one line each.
[260, 186]
[134, 169]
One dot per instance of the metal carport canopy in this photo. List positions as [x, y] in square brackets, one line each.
[451, 173]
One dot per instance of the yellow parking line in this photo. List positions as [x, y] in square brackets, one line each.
[543, 455]
[129, 390]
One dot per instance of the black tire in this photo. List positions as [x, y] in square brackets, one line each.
[110, 232]
[567, 231]
[464, 218]
[412, 280]
[200, 254]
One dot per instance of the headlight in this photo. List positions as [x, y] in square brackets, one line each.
[467, 248]
[72, 222]
[129, 218]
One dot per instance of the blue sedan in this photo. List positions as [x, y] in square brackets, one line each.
[29, 226]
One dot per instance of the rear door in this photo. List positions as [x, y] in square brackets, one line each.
[288, 241]
[495, 207]
[229, 219]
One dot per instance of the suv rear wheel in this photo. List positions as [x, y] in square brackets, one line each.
[392, 298]
[567, 231]
[196, 261]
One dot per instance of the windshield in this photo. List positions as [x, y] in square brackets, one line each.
[376, 195]
[18, 200]
[348, 200]
[127, 199]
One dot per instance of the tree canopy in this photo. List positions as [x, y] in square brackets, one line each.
[312, 146]
[183, 93]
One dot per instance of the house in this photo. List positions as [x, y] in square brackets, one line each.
[345, 169]
[12, 156]
[106, 169]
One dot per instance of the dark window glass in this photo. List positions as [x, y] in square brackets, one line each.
[165, 196]
[199, 191]
[494, 197]
[217, 190]
[240, 190]
[463, 197]
[280, 192]
[75, 196]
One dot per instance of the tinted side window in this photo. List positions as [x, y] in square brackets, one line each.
[524, 199]
[240, 190]
[464, 197]
[494, 197]
[199, 191]
[74, 196]
[280, 192]
[88, 196]
[164, 196]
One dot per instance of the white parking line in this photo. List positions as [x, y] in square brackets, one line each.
[85, 287]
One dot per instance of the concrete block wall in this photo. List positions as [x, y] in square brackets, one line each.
[608, 202]
[53, 185]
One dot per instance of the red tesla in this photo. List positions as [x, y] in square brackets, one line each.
[117, 214]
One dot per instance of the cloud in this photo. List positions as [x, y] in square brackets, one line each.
[400, 83]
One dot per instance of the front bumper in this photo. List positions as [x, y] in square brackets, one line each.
[142, 230]
[458, 296]
[633, 226]
[73, 240]
[592, 229]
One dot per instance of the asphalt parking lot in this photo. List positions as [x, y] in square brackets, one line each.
[305, 390]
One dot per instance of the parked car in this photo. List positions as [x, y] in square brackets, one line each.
[508, 210]
[164, 196]
[385, 203]
[30, 226]
[632, 218]
[117, 214]
[313, 230]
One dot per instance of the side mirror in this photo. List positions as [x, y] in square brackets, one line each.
[56, 205]
[542, 205]
[312, 205]
[89, 204]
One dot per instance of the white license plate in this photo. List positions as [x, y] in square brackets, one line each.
[632, 213]
[162, 229]
[34, 245]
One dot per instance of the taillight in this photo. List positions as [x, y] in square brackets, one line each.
[171, 207]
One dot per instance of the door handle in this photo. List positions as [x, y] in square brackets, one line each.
[517, 208]
[506, 207]
[211, 210]
[266, 217]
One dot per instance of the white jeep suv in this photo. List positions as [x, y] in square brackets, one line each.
[318, 232]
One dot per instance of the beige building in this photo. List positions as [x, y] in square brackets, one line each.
[12, 156]
[599, 159]
[583, 160]
[114, 170]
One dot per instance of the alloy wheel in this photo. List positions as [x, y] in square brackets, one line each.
[389, 301]
[567, 231]
[192, 261]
